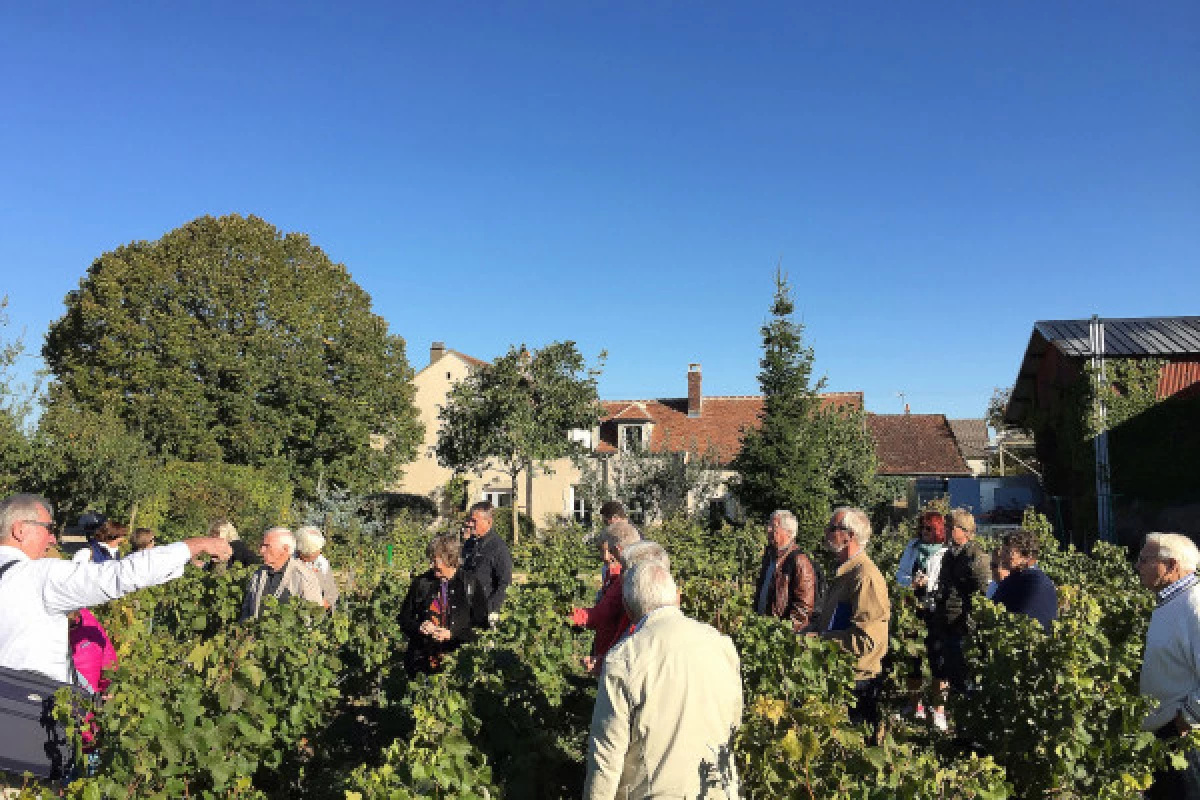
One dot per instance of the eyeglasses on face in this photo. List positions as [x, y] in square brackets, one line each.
[46, 525]
[832, 528]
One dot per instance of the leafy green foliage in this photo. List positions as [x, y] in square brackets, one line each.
[226, 340]
[304, 704]
[90, 459]
[14, 408]
[187, 496]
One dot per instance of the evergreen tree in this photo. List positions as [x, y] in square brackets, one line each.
[804, 457]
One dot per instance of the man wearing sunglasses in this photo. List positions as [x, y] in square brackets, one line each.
[855, 610]
[38, 593]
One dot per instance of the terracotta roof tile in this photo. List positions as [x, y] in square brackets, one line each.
[915, 444]
[718, 428]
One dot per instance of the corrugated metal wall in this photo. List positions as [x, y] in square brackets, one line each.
[1177, 376]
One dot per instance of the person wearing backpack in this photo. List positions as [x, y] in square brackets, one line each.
[787, 580]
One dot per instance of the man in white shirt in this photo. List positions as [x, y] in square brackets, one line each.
[1171, 665]
[37, 593]
[670, 700]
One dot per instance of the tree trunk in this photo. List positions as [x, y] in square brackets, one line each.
[529, 492]
[516, 528]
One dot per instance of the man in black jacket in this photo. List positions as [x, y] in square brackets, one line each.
[965, 572]
[486, 556]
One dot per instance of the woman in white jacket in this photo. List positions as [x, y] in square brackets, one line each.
[920, 565]
[921, 560]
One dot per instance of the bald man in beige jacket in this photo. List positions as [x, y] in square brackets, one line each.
[669, 703]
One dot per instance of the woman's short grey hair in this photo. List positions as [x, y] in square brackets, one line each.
[857, 521]
[445, 547]
[1176, 547]
[285, 536]
[619, 535]
[645, 552]
[786, 520]
[648, 587]
[20, 507]
[225, 529]
[309, 540]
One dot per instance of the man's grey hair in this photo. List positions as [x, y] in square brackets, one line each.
[786, 520]
[1177, 548]
[309, 540]
[19, 508]
[857, 521]
[648, 587]
[619, 535]
[285, 536]
[644, 552]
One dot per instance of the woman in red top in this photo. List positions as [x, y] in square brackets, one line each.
[607, 618]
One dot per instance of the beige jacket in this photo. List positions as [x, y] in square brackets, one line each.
[298, 580]
[855, 613]
[670, 700]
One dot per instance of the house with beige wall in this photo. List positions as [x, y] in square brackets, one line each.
[684, 425]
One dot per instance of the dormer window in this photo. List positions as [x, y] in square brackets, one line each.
[633, 438]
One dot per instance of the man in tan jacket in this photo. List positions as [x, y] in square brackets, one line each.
[670, 700]
[856, 610]
[280, 576]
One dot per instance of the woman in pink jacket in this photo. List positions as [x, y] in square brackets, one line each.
[607, 618]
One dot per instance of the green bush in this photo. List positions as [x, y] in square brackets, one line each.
[189, 495]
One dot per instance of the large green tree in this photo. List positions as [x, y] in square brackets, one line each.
[517, 413]
[804, 456]
[227, 340]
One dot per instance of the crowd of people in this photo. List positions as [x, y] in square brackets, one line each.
[669, 698]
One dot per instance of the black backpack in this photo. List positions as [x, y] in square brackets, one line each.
[30, 738]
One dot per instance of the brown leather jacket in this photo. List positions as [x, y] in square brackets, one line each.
[793, 586]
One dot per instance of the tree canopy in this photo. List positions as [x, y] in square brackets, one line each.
[804, 457]
[518, 411]
[227, 340]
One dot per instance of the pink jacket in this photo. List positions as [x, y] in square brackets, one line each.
[92, 650]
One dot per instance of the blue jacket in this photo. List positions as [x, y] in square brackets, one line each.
[1030, 592]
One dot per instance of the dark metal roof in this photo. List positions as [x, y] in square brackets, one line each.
[1145, 336]
[1163, 337]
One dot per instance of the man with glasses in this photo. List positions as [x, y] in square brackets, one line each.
[855, 610]
[966, 571]
[37, 593]
[1171, 665]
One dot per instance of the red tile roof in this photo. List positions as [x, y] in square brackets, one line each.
[471, 360]
[916, 444]
[719, 426]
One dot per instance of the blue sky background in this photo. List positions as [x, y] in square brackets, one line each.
[934, 176]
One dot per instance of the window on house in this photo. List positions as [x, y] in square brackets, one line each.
[499, 498]
[581, 510]
[632, 438]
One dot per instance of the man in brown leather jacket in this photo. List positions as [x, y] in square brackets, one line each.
[787, 584]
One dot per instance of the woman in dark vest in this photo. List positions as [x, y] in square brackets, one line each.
[442, 609]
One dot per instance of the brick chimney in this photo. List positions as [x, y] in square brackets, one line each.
[436, 351]
[695, 398]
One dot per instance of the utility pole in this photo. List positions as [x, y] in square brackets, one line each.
[1104, 516]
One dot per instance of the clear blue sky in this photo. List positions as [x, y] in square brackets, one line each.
[934, 176]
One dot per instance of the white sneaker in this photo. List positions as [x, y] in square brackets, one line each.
[939, 721]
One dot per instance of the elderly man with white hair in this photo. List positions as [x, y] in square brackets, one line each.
[855, 610]
[280, 576]
[787, 580]
[669, 703]
[309, 543]
[1171, 666]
